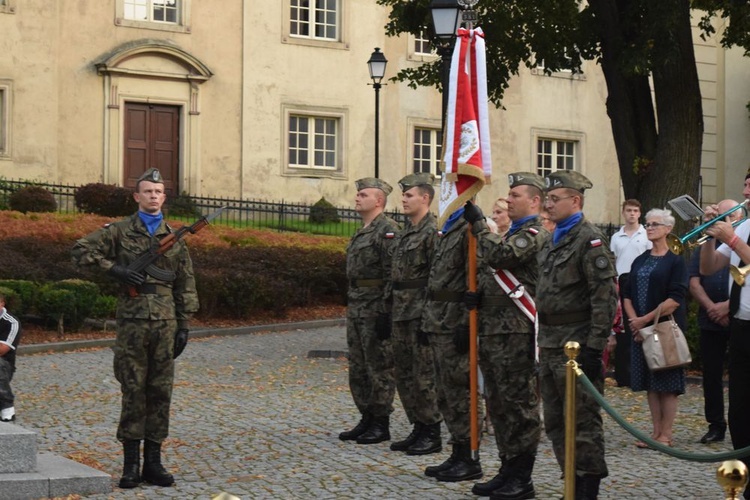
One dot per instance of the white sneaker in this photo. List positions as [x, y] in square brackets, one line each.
[8, 414]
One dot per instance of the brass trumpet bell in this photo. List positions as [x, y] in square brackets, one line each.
[677, 243]
[739, 274]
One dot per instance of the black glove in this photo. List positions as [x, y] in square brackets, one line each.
[383, 326]
[590, 360]
[472, 213]
[461, 341]
[472, 300]
[422, 338]
[126, 275]
[180, 341]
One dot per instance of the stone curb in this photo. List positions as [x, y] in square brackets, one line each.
[73, 345]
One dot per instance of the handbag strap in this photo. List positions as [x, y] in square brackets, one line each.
[658, 315]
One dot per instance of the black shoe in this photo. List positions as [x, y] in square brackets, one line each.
[358, 429]
[377, 432]
[410, 439]
[518, 484]
[712, 436]
[485, 489]
[464, 467]
[153, 471]
[433, 470]
[587, 487]
[131, 476]
[428, 441]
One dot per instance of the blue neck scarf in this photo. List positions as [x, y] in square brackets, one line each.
[151, 221]
[564, 226]
[516, 225]
[453, 219]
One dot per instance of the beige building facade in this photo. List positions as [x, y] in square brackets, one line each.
[270, 100]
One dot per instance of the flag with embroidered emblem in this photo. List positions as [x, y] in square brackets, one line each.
[467, 163]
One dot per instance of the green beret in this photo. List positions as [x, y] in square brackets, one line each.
[151, 175]
[372, 182]
[526, 179]
[414, 180]
[567, 179]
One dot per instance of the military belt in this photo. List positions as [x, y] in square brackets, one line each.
[445, 296]
[153, 289]
[366, 283]
[409, 284]
[564, 318]
[496, 301]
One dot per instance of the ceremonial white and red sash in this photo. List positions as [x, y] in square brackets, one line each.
[516, 291]
[467, 163]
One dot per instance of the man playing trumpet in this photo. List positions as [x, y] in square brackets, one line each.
[735, 252]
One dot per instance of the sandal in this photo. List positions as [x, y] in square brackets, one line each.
[667, 442]
[641, 444]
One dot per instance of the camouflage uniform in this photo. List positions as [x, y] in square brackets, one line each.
[576, 301]
[415, 364]
[506, 343]
[146, 324]
[368, 268]
[444, 315]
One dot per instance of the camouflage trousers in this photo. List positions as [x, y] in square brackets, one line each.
[144, 367]
[508, 365]
[371, 374]
[589, 430]
[415, 374]
[453, 386]
[6, 394]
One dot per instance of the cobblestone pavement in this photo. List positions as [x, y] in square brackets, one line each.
[255, 417]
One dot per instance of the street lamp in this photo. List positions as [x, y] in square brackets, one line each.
[445, 22]
[376, 65]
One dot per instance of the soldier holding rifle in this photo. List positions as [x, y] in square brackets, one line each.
[152, 323]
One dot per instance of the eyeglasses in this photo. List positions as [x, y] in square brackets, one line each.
[653, 224]
[554, 199]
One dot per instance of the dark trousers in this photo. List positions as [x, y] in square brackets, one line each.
[739, 385]
[622, 349]
[713, 352]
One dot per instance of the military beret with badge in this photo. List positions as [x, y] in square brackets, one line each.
[372, 182]
[567, 179]
[151, 175]
[414, 180]
[526, 179]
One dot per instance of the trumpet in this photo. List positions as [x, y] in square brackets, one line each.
[739, 274]
[677, 243]
[707, 237]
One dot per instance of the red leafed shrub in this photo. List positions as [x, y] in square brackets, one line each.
[32, 199]
[105, 199]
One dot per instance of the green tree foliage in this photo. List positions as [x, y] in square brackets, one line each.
[631, 41]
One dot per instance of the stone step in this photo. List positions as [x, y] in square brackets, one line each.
[54, 477]
[17, 449]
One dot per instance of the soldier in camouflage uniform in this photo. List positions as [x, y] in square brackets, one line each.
[446, 321]
[368, 316]
[506, 335]
[576, 301]
[415, 365]
[152, 326]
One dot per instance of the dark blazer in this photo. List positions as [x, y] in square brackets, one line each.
[668, 280]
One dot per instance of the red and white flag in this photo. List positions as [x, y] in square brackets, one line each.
[467, 163]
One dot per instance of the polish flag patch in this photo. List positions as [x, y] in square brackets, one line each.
[389, 236]
[595, 243]
[533, 230]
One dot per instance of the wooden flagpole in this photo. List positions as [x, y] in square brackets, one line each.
[473, 375]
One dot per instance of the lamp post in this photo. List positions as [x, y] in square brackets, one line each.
[445, 22]
[376, 65]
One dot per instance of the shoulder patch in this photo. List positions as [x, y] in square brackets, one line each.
[389, 235]
[440, 234]
[107, 224]
[533, 230]
[601, 262]
[595, 243]
[521, 242]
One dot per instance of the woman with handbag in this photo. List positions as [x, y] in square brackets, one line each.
[658, 282]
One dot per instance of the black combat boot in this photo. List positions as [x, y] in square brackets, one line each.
[518, 485]
[464, 467]
[378, 431]
[410, 439]
[485, 489]
[131, 476]
[153, 471]
[587, 487]
[428, 441]
[433, 470]
[358, 430]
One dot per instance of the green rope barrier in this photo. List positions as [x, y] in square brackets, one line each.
[684, 455]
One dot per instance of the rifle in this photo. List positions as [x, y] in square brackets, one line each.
[145, 262]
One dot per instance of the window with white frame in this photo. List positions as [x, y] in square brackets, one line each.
[315, 19]
[555, 154]
[165, 15]
[422, 45]
[427, 150]
[314, 142]
[4, 119]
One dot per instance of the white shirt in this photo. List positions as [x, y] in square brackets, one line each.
[742, 231]
[627, 248]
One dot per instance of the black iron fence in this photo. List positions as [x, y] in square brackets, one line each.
[257, 214]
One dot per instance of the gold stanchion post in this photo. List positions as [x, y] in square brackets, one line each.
[572, 349]
[732, 477]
